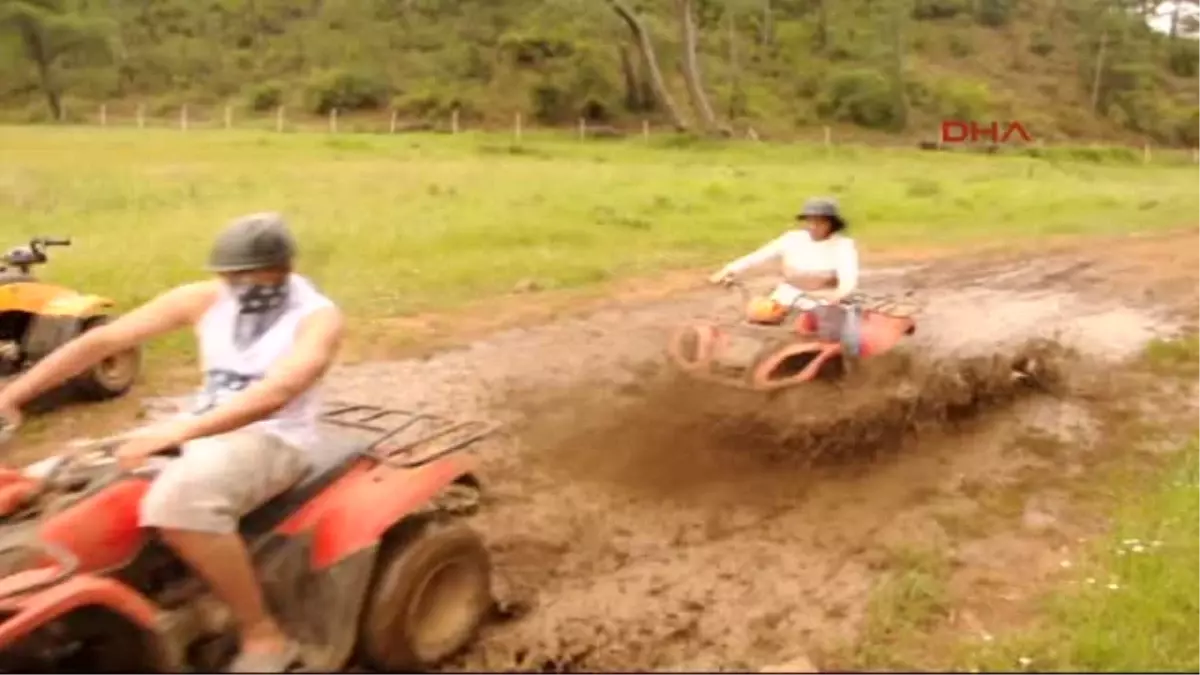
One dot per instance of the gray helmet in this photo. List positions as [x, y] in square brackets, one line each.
[253, 242]
[823, 207]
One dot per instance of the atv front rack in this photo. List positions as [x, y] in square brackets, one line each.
[63, 560]
[406, 439]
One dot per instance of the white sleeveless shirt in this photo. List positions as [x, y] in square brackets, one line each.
[228, 370]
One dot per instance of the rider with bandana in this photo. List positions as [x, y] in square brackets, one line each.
[266, 337]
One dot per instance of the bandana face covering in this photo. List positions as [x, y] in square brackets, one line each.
[259, 307]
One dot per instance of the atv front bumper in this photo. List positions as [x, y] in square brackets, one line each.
[41, 612]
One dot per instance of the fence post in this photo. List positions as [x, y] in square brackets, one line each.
[517, 128]
[141, 116]
[279, 119]
[228, 117]
[454, 121]
[103, 115]
[62, 111]
[333, 115]
[392, 128]
[1146, 153]
[828, 139]
[183, 118]
[646, 129]
[582, 128]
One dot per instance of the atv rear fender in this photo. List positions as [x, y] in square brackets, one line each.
[78, 306]
[359, 509]
[24, 611]
[879, 332]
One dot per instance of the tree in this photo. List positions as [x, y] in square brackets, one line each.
[641, 37]
[691, 67]
[48, 31]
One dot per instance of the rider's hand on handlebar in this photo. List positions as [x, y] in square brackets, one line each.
[723, 277]
[10, 419]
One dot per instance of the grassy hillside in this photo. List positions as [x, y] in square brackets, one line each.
[1084, 69]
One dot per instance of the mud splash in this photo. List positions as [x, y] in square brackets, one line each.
[666, 431]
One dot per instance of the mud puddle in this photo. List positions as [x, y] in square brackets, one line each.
[638, 525]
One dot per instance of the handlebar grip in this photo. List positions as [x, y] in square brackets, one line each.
[50, 241]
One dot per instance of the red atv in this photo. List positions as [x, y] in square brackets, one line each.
[363, 558]
[774, 347]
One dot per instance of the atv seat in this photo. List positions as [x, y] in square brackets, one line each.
[338, 453]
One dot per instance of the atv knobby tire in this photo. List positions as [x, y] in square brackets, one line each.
[110, 378]
[431, 592]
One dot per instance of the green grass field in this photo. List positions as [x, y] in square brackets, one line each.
[395, 224]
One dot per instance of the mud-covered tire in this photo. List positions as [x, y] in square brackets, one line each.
[431, 592]
[110, 378]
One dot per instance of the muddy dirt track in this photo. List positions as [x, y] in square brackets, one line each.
[640, 523]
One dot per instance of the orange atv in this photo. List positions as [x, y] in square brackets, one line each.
[36, 318]
[366, 559]
[773, 346]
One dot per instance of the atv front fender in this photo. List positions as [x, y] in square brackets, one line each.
[30, 600]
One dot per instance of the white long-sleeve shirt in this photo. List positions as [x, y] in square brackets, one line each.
[799, 255]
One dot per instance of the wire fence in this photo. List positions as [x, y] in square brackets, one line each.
[282, 120]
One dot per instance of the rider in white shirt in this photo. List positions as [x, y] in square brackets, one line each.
[819, 264]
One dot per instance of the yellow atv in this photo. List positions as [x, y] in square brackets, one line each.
[36, 318]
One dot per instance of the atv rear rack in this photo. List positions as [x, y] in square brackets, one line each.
[407, 439]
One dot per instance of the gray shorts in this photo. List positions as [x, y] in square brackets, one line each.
[219, 479]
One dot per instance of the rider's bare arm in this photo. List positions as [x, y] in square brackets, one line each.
[173, 310]
[318, 338]
[769, 251]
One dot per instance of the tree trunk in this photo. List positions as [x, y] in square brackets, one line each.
[646, 47]
[35, 48]
[735, 72]
[691, 67]
[768, 24]
[899, 92]
[1175, 19]
[1098, 76]
[633, 83]
[649, 96]
[821, 39]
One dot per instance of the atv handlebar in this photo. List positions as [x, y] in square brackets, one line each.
[50, 241]
[25, 257]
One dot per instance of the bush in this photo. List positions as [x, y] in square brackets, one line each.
[951, 98]
[862, 96]
[582, 87]
[960, 47]
[926, 10]
[267, 96]
[532, 50]
[1183, 58]
[432, 103]
[1041, 43]
[345, 90]
[994, 13]
[1186, 127]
